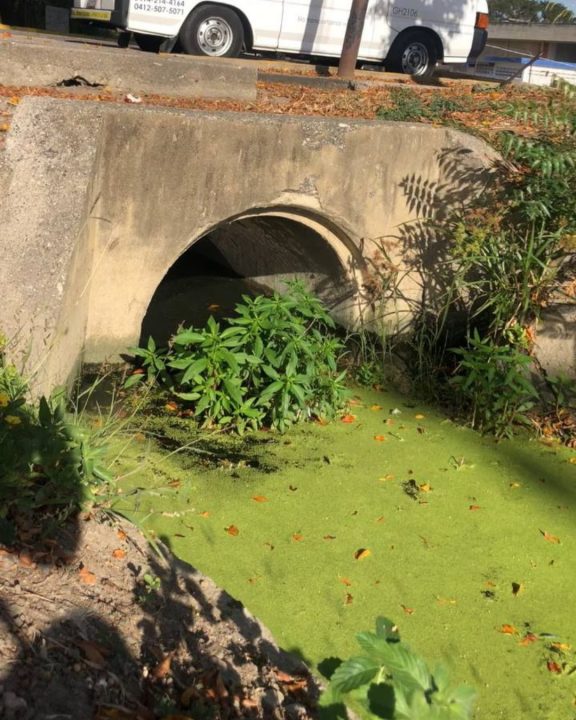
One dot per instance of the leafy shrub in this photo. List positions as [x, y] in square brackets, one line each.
[273, 363]
[493, 380]
[418, 693]
[47, 464]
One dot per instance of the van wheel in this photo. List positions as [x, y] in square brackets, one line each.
[415, 54]
[149, 43]
[214, 31]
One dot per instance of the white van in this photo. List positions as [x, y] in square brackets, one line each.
[409, 36]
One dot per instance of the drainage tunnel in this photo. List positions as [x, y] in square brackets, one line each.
[252, 255]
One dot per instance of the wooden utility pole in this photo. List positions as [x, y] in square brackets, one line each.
[352, 39]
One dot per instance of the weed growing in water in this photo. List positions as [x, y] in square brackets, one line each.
[274, 363]
[417, 692]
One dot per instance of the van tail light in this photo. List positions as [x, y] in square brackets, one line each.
[482, 21]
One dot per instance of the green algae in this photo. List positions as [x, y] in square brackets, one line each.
[460, 531]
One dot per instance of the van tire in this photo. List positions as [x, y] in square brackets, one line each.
[214, 31]
[415, 53]
[148, 43]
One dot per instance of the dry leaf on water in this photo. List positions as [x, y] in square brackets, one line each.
[528, 639]
[348, 599]
[425, 487]
[232, 530]
[474, 507]
[204, 514]
[329, 537]
[380, 438]
[375, 408]
[550, 538]
[553, 667]
[348, 418]
[260, 498]
[508, 630]
[345, 581]
[407, 610]
[297, 537]
[362, 553]
[419, 416]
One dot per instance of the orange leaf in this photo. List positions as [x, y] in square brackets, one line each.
[348, 599]
[419, 416]
[14, 101]
[381, 519]
[87, 577]
[232, 530]
[348, 418]
[163, 668]
[561, 647]
[380, 438]
[213, 307]
[553, 667]
[171, 407]
[362, 553]
[204, 514]
[474, 507]
[407, 610]
[515, 485]
[4, 127]
[119, 553]
[528, 639]
[346, 582]
[356, 401]
[425, 487]
[385, 478]
[375, 408]
[260, 498]
[508, 630]
[297, 537]
[25, 559]
[550, 538]
[121, 534]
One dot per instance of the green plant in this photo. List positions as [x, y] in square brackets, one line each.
[493, 380]
[48, 464]
[419, 694]
[275, 362]
[406, 106]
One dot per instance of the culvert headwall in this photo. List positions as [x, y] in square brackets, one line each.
[99, 202]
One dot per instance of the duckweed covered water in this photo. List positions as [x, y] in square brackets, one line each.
[470, 545]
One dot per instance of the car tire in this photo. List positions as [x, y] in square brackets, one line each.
[213, 31]
[415, 54]
[149, 43]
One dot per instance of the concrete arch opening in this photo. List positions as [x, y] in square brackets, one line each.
[255, 253]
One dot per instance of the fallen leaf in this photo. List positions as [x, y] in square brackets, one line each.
[389, 422]
[175, 483]
[297, 537]
[375, 408]
[508, 630]
[292, 488]
[356, 401]
[87, 577]
[249, 704]
[171, 407]
[553, 667]
[445, 601]
[386, 478]
[362, 553]
[260, 498]
[163, 668]
[93, 652]
[407, 610]
[572, 460]
[380, 438]
[425, 487]
[561, 647]
[474, 507]
[515, 485]
[134, 99]
[490, 584]
[121, 534]
[213, 307]
[321, 421]
[119, 553]
[348, 418]
[528, 639]
[329, 537]
[232, 530]
[269, 545]
[346, 582]
[348, 599]
[381, 519]
[419, 417]
[517, 588]
[550, 538]
[25, 560]
[4, 127]
[204, 514]
[14, 101]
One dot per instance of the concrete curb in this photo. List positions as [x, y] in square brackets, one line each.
[34, 63]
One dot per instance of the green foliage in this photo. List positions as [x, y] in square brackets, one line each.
[408, 106]
[47, 463]
[531, 11]
[419, 694]
[494, 380]
[274, 363]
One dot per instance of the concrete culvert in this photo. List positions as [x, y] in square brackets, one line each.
[249, 256]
